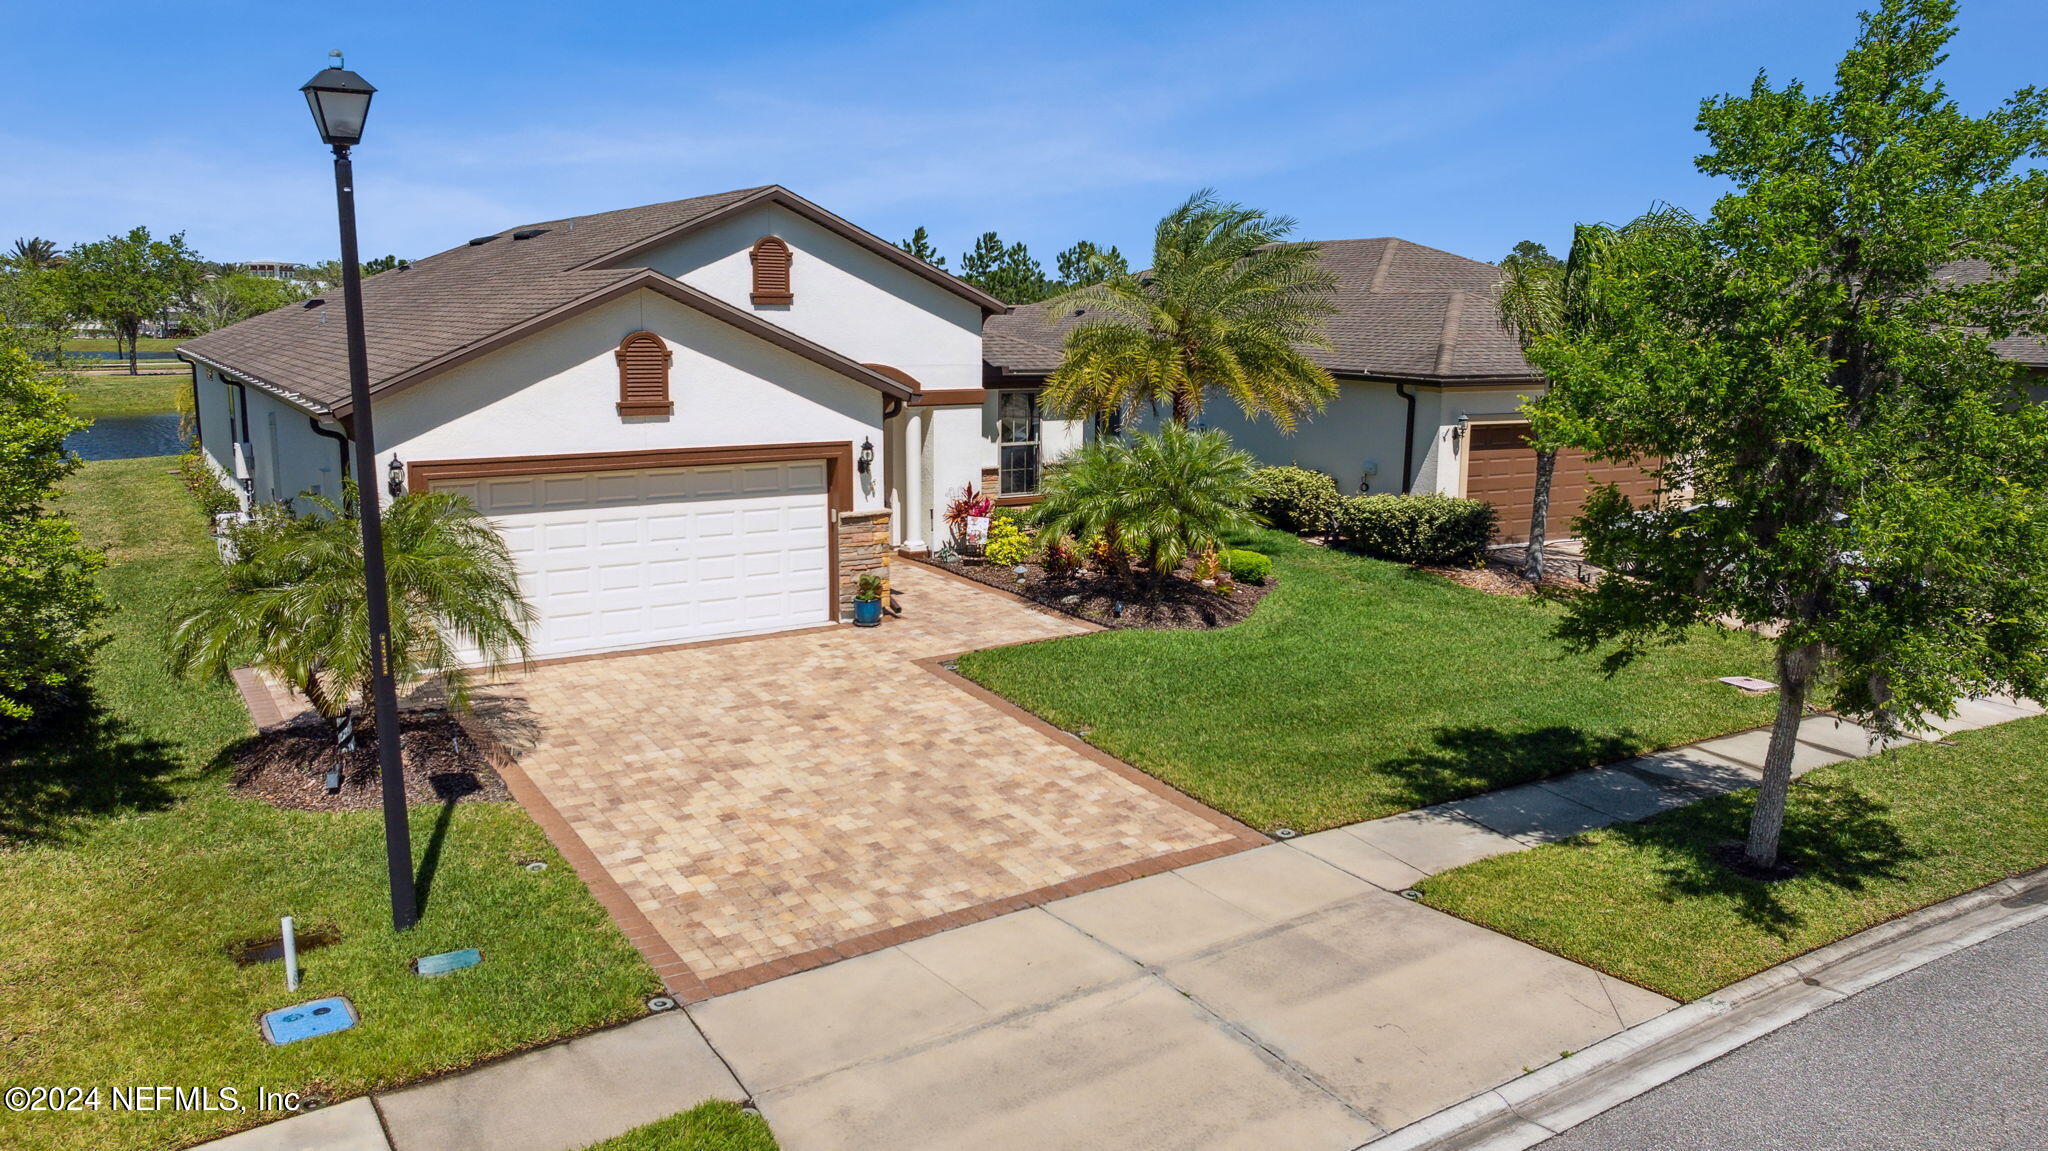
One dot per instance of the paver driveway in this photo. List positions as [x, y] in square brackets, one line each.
[766, 805]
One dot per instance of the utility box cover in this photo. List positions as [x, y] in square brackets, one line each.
[308, 1020]
[448, 961]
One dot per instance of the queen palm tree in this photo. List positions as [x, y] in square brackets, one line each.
[1226, 305]
[293, 600]
[32, 254]
[1160, 497]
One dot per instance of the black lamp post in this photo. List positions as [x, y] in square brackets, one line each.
[340, 101]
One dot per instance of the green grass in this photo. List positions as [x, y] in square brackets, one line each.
[106, 344]
[714, 1126]
[1875, 838]
[126, 867]
[120, 394]
[1360, 688]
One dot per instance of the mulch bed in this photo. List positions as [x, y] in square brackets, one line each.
[1179, 604]
[288, 767]
[1501, 574]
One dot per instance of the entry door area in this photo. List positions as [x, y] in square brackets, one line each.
[624, 559]
[1501, 469]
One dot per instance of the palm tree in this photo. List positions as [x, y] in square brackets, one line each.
[1225, 305]
[1162, 497]
[33, 254]
[293, 600]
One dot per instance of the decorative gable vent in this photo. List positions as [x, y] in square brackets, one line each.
[771, 271]
[643, 375]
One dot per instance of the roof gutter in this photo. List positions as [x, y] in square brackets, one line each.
[238, 376]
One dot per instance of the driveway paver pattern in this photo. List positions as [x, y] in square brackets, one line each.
[779, 802]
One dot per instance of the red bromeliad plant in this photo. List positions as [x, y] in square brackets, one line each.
[969, 504]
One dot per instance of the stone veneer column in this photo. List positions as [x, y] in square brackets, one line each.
[863, 547]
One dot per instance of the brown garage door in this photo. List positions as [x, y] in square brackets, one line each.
[1502, 471]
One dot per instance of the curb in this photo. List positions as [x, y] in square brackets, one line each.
[1524, 1112]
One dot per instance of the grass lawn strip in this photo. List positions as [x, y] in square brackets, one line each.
[125, 395]
[106, 344]
[128, 867]
[713, 1126]
[1875, 838]
[1359, 689]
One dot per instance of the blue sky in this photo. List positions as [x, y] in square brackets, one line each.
[1465, 125]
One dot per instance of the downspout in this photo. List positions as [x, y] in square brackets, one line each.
[891, 408]
[198, 428]
[1407, 439]
[337, 437]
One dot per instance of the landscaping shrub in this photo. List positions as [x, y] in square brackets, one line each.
[1062, 557]
[1009, 544]
[48, 600]
[1445, 531]
[1247, 567]
[199, 479]
[1295, 499]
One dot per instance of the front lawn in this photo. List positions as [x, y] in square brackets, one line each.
[125, 395]
[713, 1126]
[128, 869]
[1360, 688]
[1876, 838]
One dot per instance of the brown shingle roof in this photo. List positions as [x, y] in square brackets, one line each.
[1404, 311]
[452, 305]
[2024, 348]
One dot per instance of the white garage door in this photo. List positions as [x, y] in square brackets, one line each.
[633, 559]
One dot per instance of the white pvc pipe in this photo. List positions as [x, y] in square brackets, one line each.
[291, 956]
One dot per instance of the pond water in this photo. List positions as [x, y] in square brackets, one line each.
[127, 437]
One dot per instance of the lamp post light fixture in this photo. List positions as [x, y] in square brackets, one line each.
[340, 102]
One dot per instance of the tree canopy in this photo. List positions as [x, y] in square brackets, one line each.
[124, 281]
[1850, 465]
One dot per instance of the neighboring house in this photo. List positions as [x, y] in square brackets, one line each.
[690, 420]
[1429, 385]
[271, 269]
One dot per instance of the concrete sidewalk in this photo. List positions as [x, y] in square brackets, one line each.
[1284, 996]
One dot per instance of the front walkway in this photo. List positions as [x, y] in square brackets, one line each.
[752, 808]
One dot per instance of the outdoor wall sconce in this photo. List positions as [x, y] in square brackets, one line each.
[867, 455]
[394, 478]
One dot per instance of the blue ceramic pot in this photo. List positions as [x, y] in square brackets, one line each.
[867, 612]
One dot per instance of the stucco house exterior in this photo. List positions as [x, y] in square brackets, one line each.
[690, 420]
[709, 417]
[1429, 385]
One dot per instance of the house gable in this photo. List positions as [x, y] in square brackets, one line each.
[556, 391]
[839, 293]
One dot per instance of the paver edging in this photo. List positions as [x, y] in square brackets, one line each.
[1525, 1111]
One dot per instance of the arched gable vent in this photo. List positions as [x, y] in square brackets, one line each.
[771, 271]
[643, 375]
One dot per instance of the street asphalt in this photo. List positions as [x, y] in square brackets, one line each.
[1952, 1056]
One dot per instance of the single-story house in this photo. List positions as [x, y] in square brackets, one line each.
[1430, 385]
[690, 420]
[708, 417]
